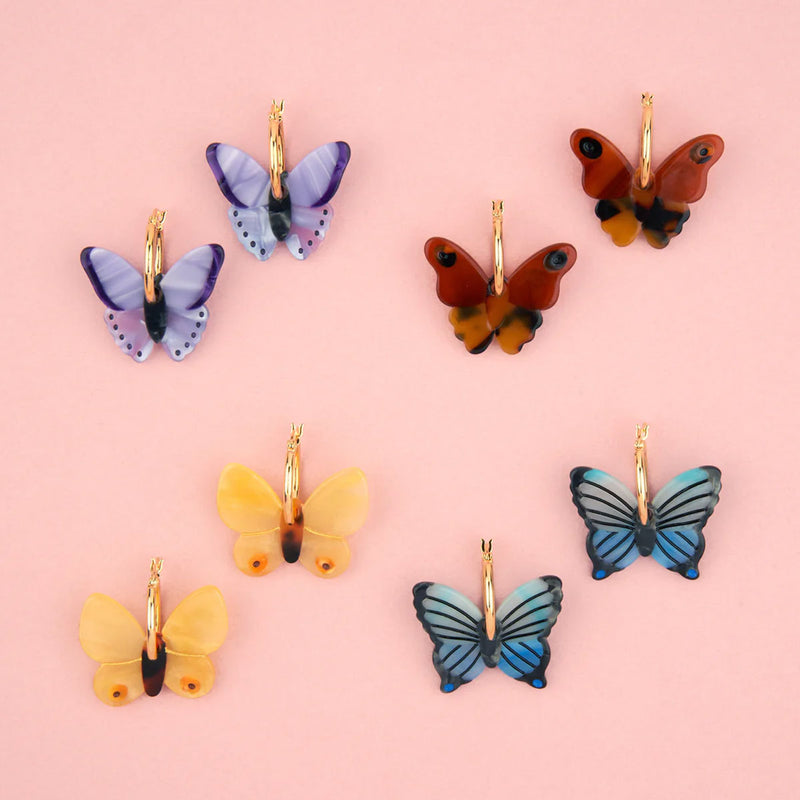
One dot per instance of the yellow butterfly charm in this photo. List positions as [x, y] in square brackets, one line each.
[272, 531]
[133, 662]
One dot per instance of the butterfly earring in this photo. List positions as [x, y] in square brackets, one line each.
[509, 309]
[514, 637]
[656, 202]
[623, 526]
[133, 661]
[166, 308]
[272, 531]
[279, 206]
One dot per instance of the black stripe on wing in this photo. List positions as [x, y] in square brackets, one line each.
[455, 626]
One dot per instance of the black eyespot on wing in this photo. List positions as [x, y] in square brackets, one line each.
[555, 260]
[445, 259]
[590, 148]
[702, 152]
[605, 209]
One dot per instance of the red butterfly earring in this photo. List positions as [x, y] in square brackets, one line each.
[509, 309]
[656, 202]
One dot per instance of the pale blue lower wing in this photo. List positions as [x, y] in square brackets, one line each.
[609, 510]
[454, 624]
[184, 331]
[680, 512]
[524, 621]
[251, 226]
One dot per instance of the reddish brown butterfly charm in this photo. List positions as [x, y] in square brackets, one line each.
[485, 308]
[655, 202]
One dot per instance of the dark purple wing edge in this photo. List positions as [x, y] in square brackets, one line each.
[216, 266]
[341, 164]
[211, 157]
[86, 263]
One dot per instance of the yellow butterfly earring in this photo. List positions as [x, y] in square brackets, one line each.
[133, 661]
[312, 532]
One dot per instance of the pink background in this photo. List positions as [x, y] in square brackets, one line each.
[658, 687]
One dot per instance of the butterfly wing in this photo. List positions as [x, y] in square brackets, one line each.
[312, 184]
[110, 634]
[461, 284]
[336, 509]
[680, 180]
[609, 510]
[608, 177]
[524, 621]
[243, 181]
[121, 289]
[534, 286]
[186, 286]
[245, 184]
[117, 283]
[680, 512]
[314, 181]
[197, 627]
[129, 332]
[683, 176]
[454, 624]
[247, 504]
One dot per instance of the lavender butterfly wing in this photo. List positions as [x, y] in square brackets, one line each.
[186, 287]
[121, 289]
[117, 283]
[312, 184]
[245, 184]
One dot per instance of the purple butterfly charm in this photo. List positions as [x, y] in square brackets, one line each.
[176, 318]
[300, 217]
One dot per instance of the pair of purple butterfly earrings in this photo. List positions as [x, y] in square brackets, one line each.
[268, 207]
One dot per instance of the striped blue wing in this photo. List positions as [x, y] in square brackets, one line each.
[454, 624]
[680, 511]
[524, 621]
[609, 510]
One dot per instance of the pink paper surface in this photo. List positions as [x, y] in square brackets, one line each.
[658, 687]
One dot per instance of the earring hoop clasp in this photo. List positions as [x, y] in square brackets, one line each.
[640, 455]
[645, 159]
[488, 588]
[497, 226]
[291, 481]
[153, 253]
[276, 159]
[154, 607]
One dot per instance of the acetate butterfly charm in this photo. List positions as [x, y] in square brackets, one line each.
[485, 308]
[658, 206]
[514, 638]
[278, 206]
[133, 662]
[622, 526]
[163, 308]
[272, 531]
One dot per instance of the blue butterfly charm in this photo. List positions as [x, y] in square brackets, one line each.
[623, 527]
[462, 645]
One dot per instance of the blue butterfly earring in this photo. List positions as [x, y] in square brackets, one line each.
[164, 308]
[513, 637]
[623, 526]
[279, 206]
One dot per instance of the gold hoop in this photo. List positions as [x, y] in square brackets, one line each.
[497, 226]
[291, 479]
[154, 607]
[488, 588]
[640, 455]
[276, 160]
[153, 253]
[645, 159]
